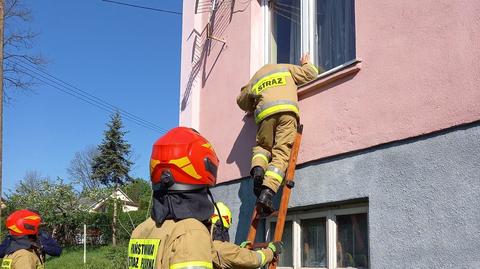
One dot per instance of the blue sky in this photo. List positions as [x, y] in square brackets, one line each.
[127, 56]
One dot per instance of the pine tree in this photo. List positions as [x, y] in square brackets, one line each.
[112, 165]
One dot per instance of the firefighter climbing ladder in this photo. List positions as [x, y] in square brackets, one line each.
[282, 211]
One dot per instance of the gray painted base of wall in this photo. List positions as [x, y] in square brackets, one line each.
[424, 198]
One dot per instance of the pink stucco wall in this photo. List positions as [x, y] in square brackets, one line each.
[419, 73]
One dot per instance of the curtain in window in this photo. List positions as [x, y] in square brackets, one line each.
[352, 241]
[314, 243]
[335, 32]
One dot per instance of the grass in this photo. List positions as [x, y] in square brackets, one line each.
[105, 257]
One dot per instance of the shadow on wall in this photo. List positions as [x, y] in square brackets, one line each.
[206, 51]
[199, 50]
[247, 203]
[242, 147]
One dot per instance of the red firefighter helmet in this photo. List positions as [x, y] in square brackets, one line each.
[183, 160]
[23, 222]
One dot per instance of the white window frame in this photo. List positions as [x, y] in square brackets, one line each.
[331, 231]
[267, 234]
[307, 35]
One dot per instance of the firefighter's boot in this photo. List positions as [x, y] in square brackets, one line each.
[265, 202]
[257, 174]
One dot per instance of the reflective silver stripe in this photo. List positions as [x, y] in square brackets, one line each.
[274, 103]
[276, 170]
[281, 69]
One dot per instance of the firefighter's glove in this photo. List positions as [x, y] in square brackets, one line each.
[245, 244]
[276, 247]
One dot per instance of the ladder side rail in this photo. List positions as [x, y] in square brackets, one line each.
[252, 232]
[282, 214]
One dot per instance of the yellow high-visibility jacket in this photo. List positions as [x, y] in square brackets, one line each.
[231, 256]
[273, 89]
[184, 244]
[22, 259]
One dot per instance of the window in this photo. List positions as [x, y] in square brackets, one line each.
[285, 31]
[325, 28]
[352, 243]
[313, 242]
[286, 258]
[327, 238]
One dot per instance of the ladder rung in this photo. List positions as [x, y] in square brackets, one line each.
[273, 214]
[259, 245]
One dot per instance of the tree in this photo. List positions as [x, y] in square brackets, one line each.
[57, 202]
[112, 164]
[17, 41]
[80, 169]
[30, 181]
[17, 44]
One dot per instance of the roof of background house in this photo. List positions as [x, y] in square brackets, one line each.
[121, 195]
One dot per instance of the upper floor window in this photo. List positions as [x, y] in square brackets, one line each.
[325, 28]
[328, 238]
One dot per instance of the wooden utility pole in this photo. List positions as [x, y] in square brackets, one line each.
[1, 105]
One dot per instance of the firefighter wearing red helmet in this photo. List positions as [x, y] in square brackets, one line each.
[22, 249]
[183, 165]
[25, 246]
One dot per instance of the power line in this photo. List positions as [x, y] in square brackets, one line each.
[86, 97]
[59, 87]
[87, 94]
[144, 7]
[87, 101]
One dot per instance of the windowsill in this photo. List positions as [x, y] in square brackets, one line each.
[330, 76]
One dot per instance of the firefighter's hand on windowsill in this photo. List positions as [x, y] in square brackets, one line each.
[305, 59]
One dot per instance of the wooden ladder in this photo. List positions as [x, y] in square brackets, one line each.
[282, 211]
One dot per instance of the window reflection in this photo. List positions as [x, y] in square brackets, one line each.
[286, 257]
[352, 241]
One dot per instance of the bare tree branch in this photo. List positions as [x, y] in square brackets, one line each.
[18, 42]
[80, 169]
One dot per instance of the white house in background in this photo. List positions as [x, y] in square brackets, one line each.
[125, 202]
